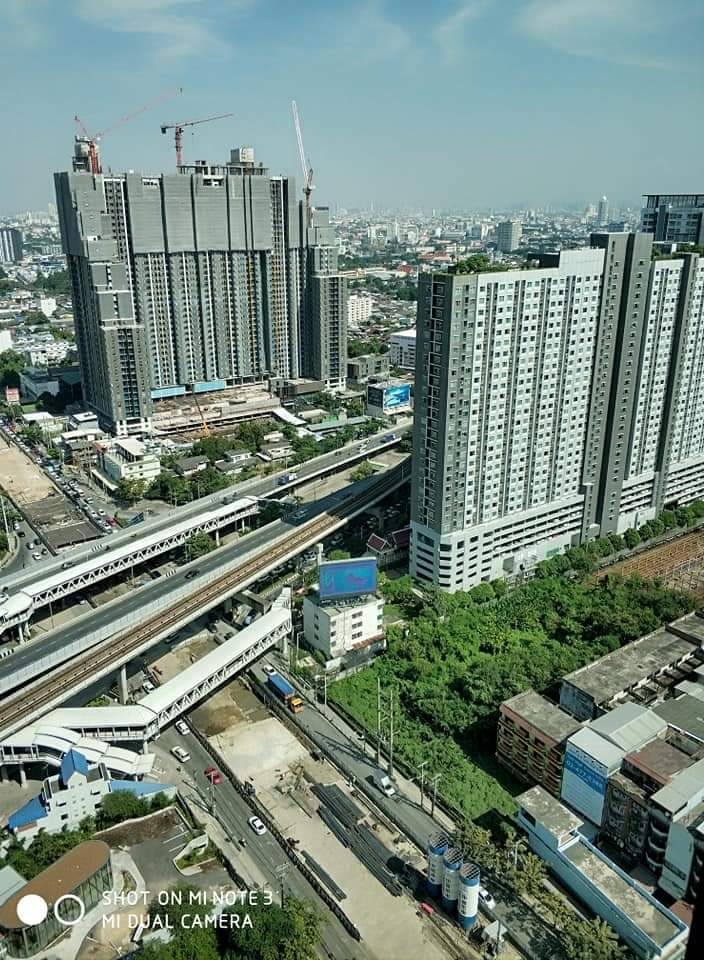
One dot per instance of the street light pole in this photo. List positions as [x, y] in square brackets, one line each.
[421, 770]
[435, 793]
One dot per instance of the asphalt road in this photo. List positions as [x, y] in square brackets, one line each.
[21, 560]
[102, 618]
[232, 812]
[259, 487]
[358, 762]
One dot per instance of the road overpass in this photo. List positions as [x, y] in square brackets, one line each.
[109, 637]
[81, 568]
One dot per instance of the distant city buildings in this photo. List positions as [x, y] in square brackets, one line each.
[602, 213]
[402, 349]
[10, 245]
[674, 217]
[195, 281]
[359, 309]
[553, 405]
[508, 235]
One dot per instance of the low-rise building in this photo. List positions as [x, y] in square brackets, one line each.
[360, 369]
[359, 309]
[189, 466]
[344, 627]
[82, 874]
[531, 738]
[642, 922]
[126, 459]
[75, 793]
[35, 381]
[402, 349]
[675, 845]
[281, 450]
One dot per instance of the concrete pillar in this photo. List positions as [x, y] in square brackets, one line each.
[23, 776]
[123, 692]
[145, 747]
[3, 773]
[217, 538]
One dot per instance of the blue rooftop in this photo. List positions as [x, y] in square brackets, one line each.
[73, 762]
[31, 811]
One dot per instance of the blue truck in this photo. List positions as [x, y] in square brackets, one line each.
[285, 692]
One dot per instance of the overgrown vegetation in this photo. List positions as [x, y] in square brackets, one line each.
[462, 654]
[291, 932]
[585, 559]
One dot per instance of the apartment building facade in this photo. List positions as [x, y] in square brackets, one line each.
[196, 281]
[554, 405]
[674, 217]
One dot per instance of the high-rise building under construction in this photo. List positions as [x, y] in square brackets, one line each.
[195, 281]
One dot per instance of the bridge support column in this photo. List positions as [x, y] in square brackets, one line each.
[122, 689]
[217, 538]
[23, 775]
[3, 773]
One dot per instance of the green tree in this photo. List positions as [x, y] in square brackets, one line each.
[4, 545]
[129, 491]
[198, 544]
[339, 555]
[363, 471]
[631, 538]
[170, 488]
[11, 363]
[291, 932]
[482, 593]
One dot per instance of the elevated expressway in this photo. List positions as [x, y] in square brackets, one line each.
[77, 569]
[144, 617]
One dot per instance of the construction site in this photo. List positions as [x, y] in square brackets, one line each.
[679, 563]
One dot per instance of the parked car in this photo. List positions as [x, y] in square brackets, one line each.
[182, 727]
[268, 669]
[256, 825]
[181, 754]
[486, 899]
[148, 686]
[36, 556]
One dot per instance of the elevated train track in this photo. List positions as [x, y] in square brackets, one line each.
[45, 693]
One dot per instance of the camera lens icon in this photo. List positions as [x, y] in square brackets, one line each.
[33, 910]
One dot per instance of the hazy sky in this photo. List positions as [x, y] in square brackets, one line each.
[409, 102]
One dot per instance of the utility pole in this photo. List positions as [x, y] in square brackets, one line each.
[421, 771]
[378, 721]
[4, 519]
[384, 715]
[281, 872]
[434, 782]
[391, 733]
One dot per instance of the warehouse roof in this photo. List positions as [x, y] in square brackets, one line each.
[544, 716]
[629, 726]
[545, 809]
[628, 666]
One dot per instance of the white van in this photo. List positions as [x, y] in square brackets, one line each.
[183, 756]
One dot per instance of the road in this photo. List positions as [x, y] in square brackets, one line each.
[358, 763]
[259, 487]
[208, 568]
[21, 560]
[232, 812]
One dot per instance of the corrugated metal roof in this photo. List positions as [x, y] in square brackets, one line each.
[685, 788]
[32, 811]
[597, 746]
[629, 726]
[73, 762]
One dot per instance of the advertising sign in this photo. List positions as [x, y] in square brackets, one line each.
[12, 395]
[347, 578]
[397, 397]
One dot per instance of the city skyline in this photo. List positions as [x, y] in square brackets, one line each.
[530, 106]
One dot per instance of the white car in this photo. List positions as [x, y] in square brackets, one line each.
[182, 727]
[148, 686]
[486, 899]
[36, 556]
[181, 754]
[256, 825]
[268, 669]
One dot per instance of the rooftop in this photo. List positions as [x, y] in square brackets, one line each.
[626, 895]
[635, 662]
[629, 726]
[543, 715]
[598, 747]
[548, 811]
[684, 713]
[685, 788]
[62, 877]
[659, 760]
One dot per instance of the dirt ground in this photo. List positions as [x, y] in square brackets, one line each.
[21, 477]
[129, 834]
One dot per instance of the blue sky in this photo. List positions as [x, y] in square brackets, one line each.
[415, 103]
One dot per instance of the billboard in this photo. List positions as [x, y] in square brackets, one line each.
[12, 395]
[389, 399]
[347, 578]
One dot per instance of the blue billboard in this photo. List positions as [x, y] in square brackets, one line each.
[347, 578]
[395, 397]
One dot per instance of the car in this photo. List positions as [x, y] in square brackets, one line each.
[182, 727]
[191, 574]
[256, 825]
[21, 533]
[268, 669]
[102, 513]
[148, 686]
[213, 774]
[486, 899]
[182, 755]
[36, 556]
[44, 552]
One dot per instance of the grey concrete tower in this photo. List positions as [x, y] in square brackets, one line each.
[184, 282]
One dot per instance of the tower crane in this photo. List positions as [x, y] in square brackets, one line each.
[93, 139]
[308, 186]
[178, 125]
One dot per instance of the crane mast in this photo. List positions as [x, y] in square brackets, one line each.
[305, 165]
[178, 126]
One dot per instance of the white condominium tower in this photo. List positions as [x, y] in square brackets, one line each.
[553, 405]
